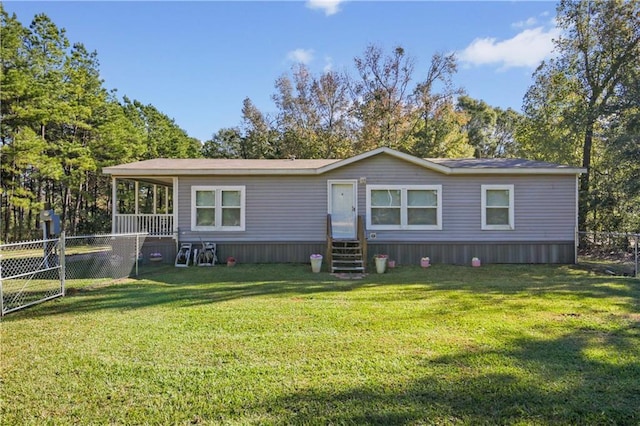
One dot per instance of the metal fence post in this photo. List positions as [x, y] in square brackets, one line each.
[637, 239]
[137, 252]
[576, 244]
[1, 292]
[62, 260]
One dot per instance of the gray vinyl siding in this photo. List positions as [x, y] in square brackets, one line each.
[276, 208]
[294, 208]
[545, 207]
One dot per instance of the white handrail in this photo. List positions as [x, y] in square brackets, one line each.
[153, 224]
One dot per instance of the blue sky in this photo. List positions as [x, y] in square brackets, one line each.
[197, 61]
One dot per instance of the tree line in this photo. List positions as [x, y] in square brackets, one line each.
[60, 126]
[386, 102]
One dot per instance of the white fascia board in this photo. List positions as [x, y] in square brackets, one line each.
[154, 180]
[401, 155]
[107, 171]
[207, 172]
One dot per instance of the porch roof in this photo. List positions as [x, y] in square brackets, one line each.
[174, 167]
[166, 166]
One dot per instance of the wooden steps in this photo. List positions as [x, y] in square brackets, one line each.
[346, 256]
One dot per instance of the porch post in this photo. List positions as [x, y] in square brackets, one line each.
[114, 203]
[155, 198]
[166, 200]
[137, 198]
[174, 210]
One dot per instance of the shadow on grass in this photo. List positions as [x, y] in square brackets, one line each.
[162, 285]
[180, 287]
[560, 385]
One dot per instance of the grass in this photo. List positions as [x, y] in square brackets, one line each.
[276, 344]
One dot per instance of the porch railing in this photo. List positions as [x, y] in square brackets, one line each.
[153, 224]
[362, 237]
[329, 241]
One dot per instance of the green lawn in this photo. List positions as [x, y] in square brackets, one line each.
[276, 344]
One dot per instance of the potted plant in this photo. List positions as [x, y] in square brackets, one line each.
[155, 257]
[231, 261]
[425, 262]
[381, 262]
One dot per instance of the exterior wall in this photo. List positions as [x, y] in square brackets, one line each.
[545, 206]
[286, 216]
[277, 208]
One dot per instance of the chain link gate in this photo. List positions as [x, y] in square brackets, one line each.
[31, 272]
[35, 271]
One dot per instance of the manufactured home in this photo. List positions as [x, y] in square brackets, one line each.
[379, 202]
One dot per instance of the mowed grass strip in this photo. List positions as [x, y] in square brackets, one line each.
[276, 344]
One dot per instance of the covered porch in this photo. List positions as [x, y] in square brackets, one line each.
[144, 205]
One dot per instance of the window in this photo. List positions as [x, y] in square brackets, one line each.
[404, 207]
[497, 207]
[217, 208]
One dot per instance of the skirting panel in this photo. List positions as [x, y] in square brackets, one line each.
[260, 252]
[562, 252]
[163, 245]
[461, 253]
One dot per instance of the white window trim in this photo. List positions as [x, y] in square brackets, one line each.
[511, 225]
[218, 208]
[404, 207]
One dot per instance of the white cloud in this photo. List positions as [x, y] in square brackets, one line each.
[527, 49]
[330, 7]
[301, 55]
[525, 24]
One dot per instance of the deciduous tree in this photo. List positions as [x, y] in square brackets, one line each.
[598, 47]
[260, 138]
[491, 131]
[381, 98]
[225, 143]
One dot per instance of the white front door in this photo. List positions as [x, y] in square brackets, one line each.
[342, 208]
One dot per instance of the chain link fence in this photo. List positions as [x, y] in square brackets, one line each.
[93, 259]
[36, 271]
[613, 253]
